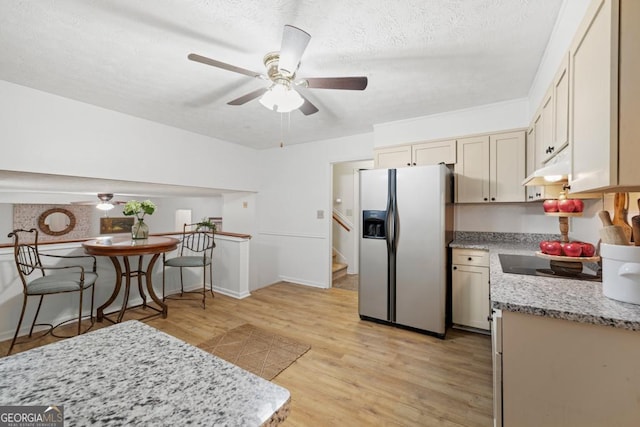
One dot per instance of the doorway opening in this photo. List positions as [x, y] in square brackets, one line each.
[345, 229]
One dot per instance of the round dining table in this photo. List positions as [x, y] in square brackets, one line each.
[124, 247]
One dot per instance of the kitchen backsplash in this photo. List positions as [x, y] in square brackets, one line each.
[497, 237]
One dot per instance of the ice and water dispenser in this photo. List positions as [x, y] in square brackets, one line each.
[373, 224]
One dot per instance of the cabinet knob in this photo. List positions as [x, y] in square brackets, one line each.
[485, 199]
[455, 268]
[531, 197]
[408, 164]
[538, 194]
[469, 259]
[414, 163]
[493, 199]
[552, 149]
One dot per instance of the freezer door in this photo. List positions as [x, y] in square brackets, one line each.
[372, 288]
[421, 248]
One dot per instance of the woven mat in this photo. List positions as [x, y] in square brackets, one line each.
[264, 353]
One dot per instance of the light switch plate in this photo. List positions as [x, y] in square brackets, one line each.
[320, 214]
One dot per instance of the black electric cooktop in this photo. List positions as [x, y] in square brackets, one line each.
[535, 266]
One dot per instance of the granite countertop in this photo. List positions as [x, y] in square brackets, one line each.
[576, 300]
[133, 374]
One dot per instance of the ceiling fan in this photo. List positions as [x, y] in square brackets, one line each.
[282, 67]
[104, 202]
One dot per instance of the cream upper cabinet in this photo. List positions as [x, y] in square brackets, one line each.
[507, 167]
[426, 153]
[533, 193]
[561, 107]
[472, 170]
[490, 168]
[432, 153]
[392, 157]
[544, 130]
[604, 101]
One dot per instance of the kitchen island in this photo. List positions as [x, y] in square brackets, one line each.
[564, 354]
[133, 374]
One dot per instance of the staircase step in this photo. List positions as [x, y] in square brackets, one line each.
[339, 270]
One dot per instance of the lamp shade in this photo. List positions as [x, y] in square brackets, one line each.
[281, 99]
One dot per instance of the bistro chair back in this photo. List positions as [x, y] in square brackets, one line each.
[196, 250]
[39, 280]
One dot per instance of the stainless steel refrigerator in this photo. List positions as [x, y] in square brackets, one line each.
[407, 224]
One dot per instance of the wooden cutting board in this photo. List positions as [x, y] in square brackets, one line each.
[620, 211]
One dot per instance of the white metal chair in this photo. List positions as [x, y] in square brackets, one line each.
[52, 280]
[196, 250]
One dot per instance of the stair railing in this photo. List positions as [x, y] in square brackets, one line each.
[342, 220]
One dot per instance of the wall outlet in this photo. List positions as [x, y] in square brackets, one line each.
[320, 214]
[349, 212]
[245, 205]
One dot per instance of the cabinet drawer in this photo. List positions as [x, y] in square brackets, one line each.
[475, 257]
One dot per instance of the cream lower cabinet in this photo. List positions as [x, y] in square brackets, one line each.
[470, 288]
[558, 372]
[491, 168]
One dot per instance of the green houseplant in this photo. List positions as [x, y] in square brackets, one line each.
[139, 230]
[204, 224]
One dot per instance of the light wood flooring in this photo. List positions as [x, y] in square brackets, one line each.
[357, 373]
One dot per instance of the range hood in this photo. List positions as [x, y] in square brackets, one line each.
[556, 171]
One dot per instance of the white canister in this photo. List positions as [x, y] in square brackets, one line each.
[621, 272]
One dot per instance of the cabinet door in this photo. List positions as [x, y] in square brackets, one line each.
[470, 296]
[547, 149]
[432, 153]
[392, 157]
[507, 167]
[472, 170]
[561, 106]
[532, 192]
[594, 98]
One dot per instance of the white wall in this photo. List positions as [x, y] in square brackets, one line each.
[292, 243]
[46, 133]
[486, 118]
[240, 213]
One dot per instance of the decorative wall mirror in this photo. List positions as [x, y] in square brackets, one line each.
[56, 222]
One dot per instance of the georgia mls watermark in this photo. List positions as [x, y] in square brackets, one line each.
[32, 416]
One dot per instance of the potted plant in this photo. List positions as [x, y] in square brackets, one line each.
[204, 224]
[139, 230]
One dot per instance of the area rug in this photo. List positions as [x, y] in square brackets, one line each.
[262, 352]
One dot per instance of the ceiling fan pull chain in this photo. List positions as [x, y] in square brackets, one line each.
[281, 133]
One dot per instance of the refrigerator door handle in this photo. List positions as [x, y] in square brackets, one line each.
[396, 226]
[388, 221]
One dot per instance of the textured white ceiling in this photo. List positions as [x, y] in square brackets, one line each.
[421, 57]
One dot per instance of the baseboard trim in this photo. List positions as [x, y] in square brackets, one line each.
[304, 282]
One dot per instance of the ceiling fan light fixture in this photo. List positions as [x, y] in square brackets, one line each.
[104, 206]
[105, 201]
[281, 99]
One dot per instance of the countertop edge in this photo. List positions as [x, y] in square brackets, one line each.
[597, 309]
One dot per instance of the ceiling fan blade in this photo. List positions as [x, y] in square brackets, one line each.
[294, 42]
[346, 83]
[307, 108]
[224, 66]
[248, 97]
